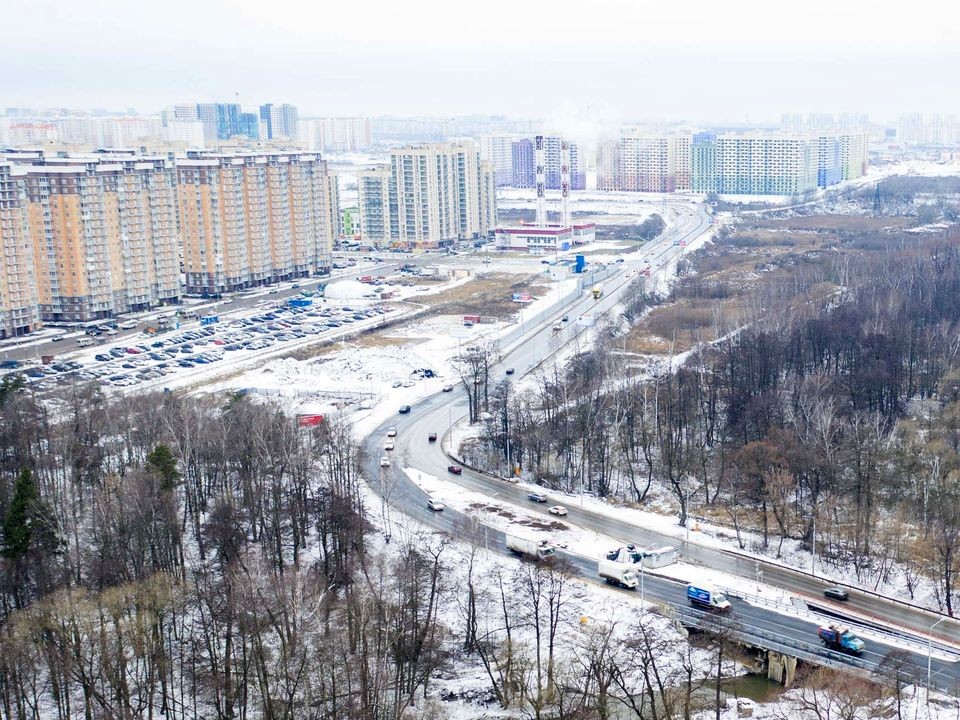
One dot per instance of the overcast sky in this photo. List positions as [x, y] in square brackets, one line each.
[618, 60]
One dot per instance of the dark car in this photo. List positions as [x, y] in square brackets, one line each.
[537, 497]
[117, 352]
[404, 409]
[455, 469]
[836, 593]
[432, 437]
[510, 371]
[103, 357]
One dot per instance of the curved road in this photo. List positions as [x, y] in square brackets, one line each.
[438, 412]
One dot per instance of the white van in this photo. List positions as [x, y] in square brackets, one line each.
[85, 341]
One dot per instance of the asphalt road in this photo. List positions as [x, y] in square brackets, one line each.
[437, 413]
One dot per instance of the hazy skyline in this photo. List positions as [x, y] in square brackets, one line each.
[611, 60]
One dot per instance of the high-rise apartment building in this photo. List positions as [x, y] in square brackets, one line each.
[281, 121]
[339, 134]
[103, 233]
[19, 305]
[920, 129]
[254, 218]
[429, 196]
[524, 173]
[757, 164]
[645, 163]
[498, 151]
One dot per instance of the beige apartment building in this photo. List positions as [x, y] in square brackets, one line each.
[249, 219]
[429, 196]
[640, 162]
[103, 233]
[19, 306]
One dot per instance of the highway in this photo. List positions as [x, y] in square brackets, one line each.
[438, 412]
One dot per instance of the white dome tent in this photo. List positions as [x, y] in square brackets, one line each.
[348, 290]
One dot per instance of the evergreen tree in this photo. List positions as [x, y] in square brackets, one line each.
[162, 461]
[18, 525]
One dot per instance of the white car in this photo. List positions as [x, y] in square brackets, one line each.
[558, 510]
[434, 504]
[388, 445]
[384, 461]
[391, 432]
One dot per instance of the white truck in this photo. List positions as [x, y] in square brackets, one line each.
[538, 549]
[616, 573]
[707, 598]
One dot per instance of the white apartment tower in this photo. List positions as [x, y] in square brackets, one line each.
[429, 196]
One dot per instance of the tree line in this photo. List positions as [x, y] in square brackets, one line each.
[834, 405]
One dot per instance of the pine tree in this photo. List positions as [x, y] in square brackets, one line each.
[161, 459]
[18, 524]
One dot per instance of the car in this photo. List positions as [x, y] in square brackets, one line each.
[510, 371]
[56, 338]
[537, 497]
[557, 510]
[388, 445]
[272, 291]
[103, 357]
[455, 469]
[117, 352]
[432, 437]
[384, 461]
[391, 432]
[404, 409]
[836, 593]
[134, 351]
[434, 504]
[565, 318]
[448, 388]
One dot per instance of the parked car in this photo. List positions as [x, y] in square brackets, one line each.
[836, 593]
[434, 504]
[432, 437]
[404, 409]
[558, 510]
[455, 469]
[537, 497]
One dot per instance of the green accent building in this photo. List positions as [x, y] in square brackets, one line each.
[350, 221]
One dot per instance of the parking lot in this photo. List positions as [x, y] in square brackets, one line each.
[147, 359]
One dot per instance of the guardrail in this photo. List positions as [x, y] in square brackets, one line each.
[756, 637]
[885, 634]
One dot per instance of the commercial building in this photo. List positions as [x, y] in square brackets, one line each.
[254, 218]
[544, 237]
[645, 163]
[103, 233]
[429, 196]
[19, 305]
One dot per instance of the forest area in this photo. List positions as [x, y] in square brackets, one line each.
[820, 390]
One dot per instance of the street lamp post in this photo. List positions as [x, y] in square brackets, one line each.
[930, 654]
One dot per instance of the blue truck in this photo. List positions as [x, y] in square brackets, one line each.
[837, 637]
[708, 598]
